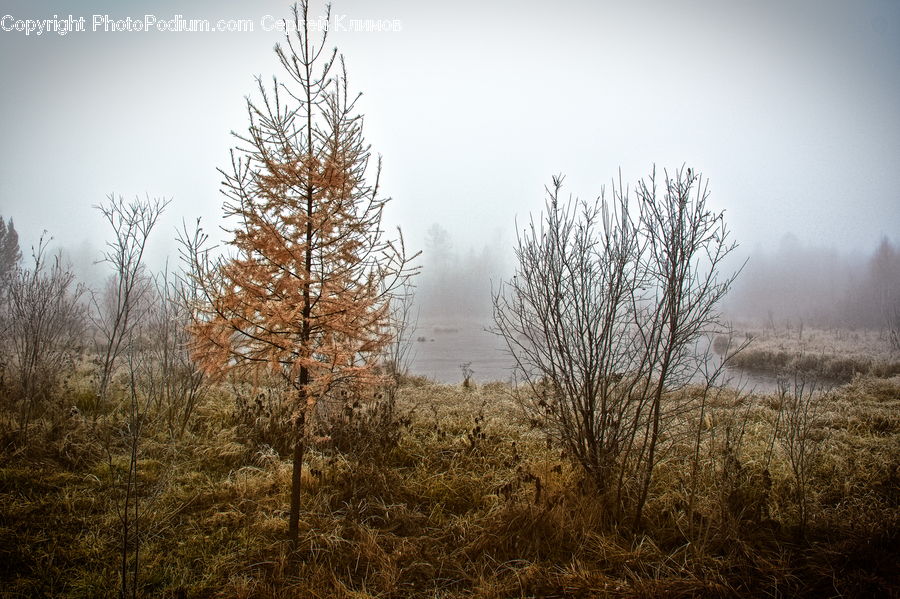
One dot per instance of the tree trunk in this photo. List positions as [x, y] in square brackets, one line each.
[654, 437]
[296, 481]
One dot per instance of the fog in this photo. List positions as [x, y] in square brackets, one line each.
[797, 283]
[790, 283]
[790, 110]
[456, 284]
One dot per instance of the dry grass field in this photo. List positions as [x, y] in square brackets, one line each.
[836, 355]
[464, 499]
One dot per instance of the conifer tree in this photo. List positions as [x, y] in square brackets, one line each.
[305, 291]
[9, 249]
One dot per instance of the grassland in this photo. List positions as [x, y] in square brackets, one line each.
[835, 355]
[468, 500]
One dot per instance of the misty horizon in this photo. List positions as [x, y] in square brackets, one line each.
[788, 110]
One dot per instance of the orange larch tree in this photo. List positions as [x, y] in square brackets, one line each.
[305, 291]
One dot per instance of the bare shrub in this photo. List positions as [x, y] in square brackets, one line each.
[263, 417]
[173, 379]
[120, 316]
[466, 369]
[604, 315]
[566, 318]
[44, 324]
[118, 311]
[398, 354]
[799, 402]
[364, 424]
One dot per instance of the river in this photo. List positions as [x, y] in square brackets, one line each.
[440, 348]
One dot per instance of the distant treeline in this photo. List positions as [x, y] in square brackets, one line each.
[820, 286]
[456, 286]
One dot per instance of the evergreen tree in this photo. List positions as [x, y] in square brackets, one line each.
[9, 249]
[306, 291]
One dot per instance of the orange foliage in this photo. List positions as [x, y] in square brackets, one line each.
[306, 292]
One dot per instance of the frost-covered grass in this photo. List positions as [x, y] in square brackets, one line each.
[834, 354]
[471, 501]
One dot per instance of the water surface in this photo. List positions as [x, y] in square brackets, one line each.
[439, 349]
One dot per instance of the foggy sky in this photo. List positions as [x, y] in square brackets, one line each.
[789, 108]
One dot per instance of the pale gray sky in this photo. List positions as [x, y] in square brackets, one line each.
[792, 109]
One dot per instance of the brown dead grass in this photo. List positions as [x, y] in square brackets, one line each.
[472, 502]
[836, 355]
